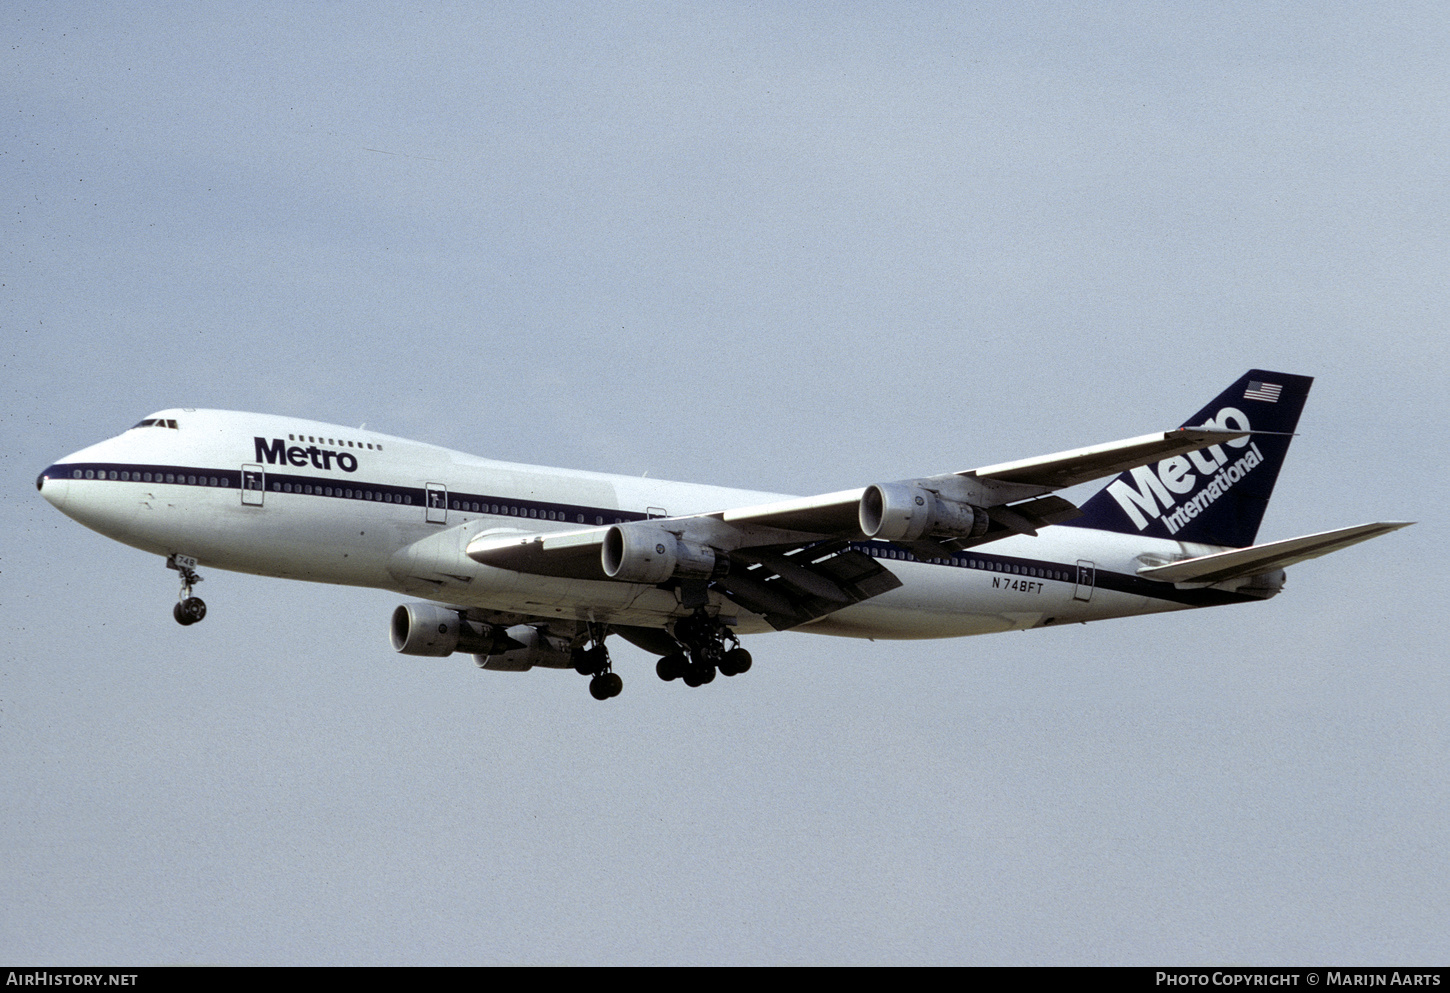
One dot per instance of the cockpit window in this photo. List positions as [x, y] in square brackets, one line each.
[155, 422]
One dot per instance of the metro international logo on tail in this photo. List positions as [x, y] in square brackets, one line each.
[1152, 490]
[1215, 488]
[1215, 496]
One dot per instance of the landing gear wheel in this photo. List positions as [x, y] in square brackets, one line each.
[705, 638]
[189, 611]
[671, 666]
[736, 661]
[605, 685]
[594, 662]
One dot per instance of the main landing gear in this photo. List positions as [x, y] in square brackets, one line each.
[704, 638]
[594, 662]
[189, 609]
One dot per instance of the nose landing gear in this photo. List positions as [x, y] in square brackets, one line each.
[189, 609]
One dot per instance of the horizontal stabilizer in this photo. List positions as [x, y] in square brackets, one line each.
[1238, 562]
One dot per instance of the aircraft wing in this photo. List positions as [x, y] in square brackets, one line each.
[1238, 562]
[790, 560]
[787, 584]
[996, 488]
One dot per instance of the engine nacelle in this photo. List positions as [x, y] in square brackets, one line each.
[428, 629]
[647, 553]
[906, 512]
[532, 646]
[1265, 586]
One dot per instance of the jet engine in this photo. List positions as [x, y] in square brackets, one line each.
[531, 646]
[646, 553]
[906, 512]
[428, 629]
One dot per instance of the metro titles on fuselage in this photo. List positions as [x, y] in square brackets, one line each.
[280, 453]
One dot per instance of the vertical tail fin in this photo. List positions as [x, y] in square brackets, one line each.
[1216, 496]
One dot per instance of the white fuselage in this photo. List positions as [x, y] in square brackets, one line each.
[297, 499]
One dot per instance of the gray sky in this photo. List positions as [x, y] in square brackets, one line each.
[754, 245]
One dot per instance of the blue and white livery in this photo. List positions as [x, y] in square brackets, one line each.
[523, 566]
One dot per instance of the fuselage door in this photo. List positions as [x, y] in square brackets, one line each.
[254, 484]
[437, 503]
[1086, 575]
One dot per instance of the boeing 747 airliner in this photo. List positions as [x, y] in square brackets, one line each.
[524, 566]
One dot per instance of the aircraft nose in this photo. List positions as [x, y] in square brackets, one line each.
[53, 485]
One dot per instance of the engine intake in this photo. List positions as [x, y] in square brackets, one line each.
[643, 553]
[906, 512]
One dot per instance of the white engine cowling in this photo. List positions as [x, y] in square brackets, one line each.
[906, 512]
[428, 629]
[645, 553]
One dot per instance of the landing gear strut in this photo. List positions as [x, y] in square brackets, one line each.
[594, 662]
[704, 638]
[189, 609]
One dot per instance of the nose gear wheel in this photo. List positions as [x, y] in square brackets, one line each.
[189, 609]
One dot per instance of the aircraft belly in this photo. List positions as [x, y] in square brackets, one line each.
[878, 621]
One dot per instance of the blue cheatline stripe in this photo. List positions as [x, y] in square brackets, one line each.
[1048, 570]
[325, 488]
